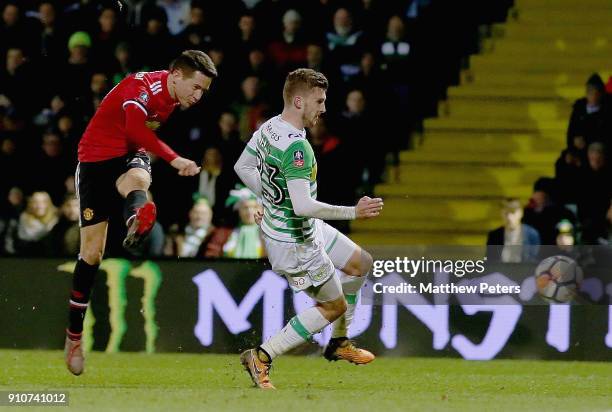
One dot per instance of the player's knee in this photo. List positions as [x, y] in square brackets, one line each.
[135, 179]
[366, 262]
[360, 264]
[91, 255]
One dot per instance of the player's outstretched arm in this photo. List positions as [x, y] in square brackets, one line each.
[137, 132]
[246, 169]
[304, 205]
[185, 167]
[140, 134]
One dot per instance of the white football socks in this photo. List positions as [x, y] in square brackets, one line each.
[299, 330]
[350, 286]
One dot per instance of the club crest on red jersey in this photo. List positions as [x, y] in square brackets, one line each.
[298, 158]
[143, 98]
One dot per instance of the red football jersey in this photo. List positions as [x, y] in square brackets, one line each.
[106, 136]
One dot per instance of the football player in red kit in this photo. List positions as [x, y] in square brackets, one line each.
[112, 158]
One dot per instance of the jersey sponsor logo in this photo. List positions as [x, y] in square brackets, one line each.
[298, 158]
[292, 135]
[88, 214]
[143, 98]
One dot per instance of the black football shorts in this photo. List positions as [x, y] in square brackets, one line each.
[95, 185]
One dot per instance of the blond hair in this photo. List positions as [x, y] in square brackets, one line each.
[49, 216]
[303, 80]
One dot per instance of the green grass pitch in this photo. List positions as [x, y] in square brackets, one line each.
[183, 382]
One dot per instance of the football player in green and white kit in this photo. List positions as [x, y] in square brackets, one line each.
[278, 165]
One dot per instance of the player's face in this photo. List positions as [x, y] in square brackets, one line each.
[314, 106]
[189, 90]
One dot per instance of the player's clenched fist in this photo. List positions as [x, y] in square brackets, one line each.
[367, 207]
[185, 167]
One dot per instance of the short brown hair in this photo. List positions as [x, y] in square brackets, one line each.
[303, 80]
[194, 60]
[511, 204]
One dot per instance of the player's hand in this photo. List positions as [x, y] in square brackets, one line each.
[185, 167]
[258, 217]
[368, 208]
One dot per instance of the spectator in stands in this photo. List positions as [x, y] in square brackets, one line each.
[516, 242]
[215, 182]
[356, 130]
[569, 169]
[34, 225]
[594, 199]
[591, 115]
[198, 230]
[259, 67]
[399, 73]
[52, 35]
[250, 107]
[244, 242]
[565, 234]
[227, 138]
[345, 44]
[10, 210]
[314, 57]
[9, 165]
[98, 88]
[289, 51]
[108, 35]
[79, 68]
[15, 30]
[64, 239]
[198, 33]
[50, 114]
[155, 32]
[607, 238]
[246, 39]
[125, 63]
[543, 212]
[178, 14]
[15, 78]
[53, 160]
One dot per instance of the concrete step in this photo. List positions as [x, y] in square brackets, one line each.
[485, 124]
[552, 5]
[539, 31]
[457, 189]
[548, 47]
[539, 64]
[439, 225]
[475, 111]
[474, 108]
[468, 157]
[462, 209]
[508, 92]
[390, 239]
[533, 79]
[488, 143]
[465, 173]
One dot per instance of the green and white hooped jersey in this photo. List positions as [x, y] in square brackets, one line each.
[283, 154]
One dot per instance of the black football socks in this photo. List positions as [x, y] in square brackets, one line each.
[82, 283]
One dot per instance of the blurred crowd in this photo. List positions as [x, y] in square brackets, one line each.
[574, 207]
[388, 62]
